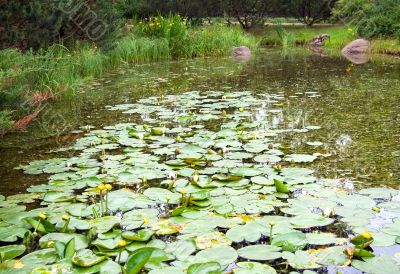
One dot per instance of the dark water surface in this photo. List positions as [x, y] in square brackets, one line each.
[356, 106]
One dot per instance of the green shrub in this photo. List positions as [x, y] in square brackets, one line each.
[5, 121]
[372, 18]
[38, 24]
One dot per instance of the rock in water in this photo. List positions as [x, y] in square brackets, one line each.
[357, 46]
[318, 40]
[241, 52]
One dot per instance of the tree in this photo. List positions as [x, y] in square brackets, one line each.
[310, 12]
[249, 13]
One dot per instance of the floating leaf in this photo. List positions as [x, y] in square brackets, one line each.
[253, 268]
[260, 252]
[204, 268]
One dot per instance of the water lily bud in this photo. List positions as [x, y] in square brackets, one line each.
[195, 177]
[179, 139]
[101, 187]
[65, 217]
[141, 136]
[168, 198]
[328, 212]
[241, 109]
[177, 151]
[50, 244]
[146, 220]
[42, 216]
[121, 243]
[366, 235]
[376, 209]
[145, 126]
[172, 175]
[144, 180]
[272, 223]
[223, 113]
[69, 165]
[108, 187]
[270, 146]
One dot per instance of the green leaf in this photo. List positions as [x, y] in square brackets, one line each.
[137, 260]
[292, 241]
[141, 236]
[361, 241]
[250, 232]
[205, 268]
[253, 268]
[260, 252]
[378, 265]
[280, 186]
[10, 252]
[86, 258]
[224, 255]
[40, 225]
[70, 249]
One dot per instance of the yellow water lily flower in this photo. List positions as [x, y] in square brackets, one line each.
[146, 220]
[366, 235]
[101, 187]
[65, 217]
[121, 243]
[108, 187]
[42, 216]
[272, 223]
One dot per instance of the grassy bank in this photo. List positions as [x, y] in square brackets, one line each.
[28, 78]
[340, 36]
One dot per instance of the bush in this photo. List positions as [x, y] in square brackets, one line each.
[37, 24]
[372, 18]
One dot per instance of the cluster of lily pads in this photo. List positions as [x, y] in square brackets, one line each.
[197, 185]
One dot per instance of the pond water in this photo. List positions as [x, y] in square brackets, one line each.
[357, 108]
[212, 164]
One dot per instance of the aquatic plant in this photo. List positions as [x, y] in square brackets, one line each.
[178, 206]
[58, 69]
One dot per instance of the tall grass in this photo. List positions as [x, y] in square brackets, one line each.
[339, 37]
[58, 69]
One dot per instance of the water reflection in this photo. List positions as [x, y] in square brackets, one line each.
[361, 103]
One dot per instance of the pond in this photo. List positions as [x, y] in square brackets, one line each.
[281, 160]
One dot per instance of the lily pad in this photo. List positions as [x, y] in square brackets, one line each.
[260, 252]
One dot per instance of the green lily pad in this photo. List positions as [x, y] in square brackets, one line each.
[250, 232]
[301, 260]
[260, 252]
[105, 224]
[292, 241]
[142, 235]
[10, 252]
[300, 158]
[204, 268]
[86, 258]
[253, 268]
[81, 241]
[376, 264]
[310, 220]
[224, 255]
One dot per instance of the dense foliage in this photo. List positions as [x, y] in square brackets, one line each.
[371, 17]
[36, 24]
[310, 12]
